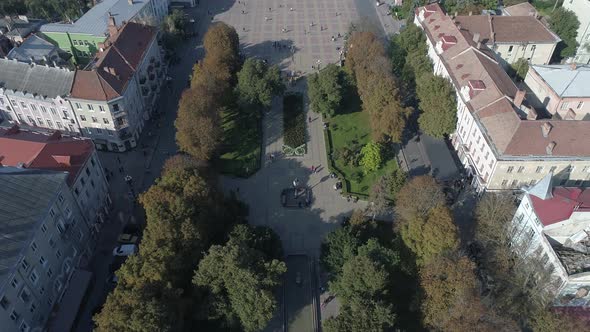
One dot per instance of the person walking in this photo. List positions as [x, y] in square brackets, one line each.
[309, 119]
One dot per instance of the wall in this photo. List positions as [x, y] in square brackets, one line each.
[517, 173]
[538, 54]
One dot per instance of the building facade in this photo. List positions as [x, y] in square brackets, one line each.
[58, 152]
[581, 8]
[113, 99]
[82, 38]
[502, 141]
[511, 37]
[47, 237]
[35, 95]
[562, 90]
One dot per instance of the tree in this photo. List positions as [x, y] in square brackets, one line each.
[437, 101]
[11, 7]
[378, 202]
[258, 83]
[430, 236]
[371, 159]
[222, 47]
[361, 317]
[520, 68]
[325, 90]
[565, 24]
[338, 247]
[395, 181]
[418, 197]
[241, 281]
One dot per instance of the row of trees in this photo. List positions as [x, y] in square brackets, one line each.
[432, 94]
[368, 64]
[67, 10]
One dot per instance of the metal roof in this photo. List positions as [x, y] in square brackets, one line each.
[34, 47]
[95, 21]
[565, 80]
[26, 196]
[35, 79]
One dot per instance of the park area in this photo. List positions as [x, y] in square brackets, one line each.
[348, 132]
[241, 144]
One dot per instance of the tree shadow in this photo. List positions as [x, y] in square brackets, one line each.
[276, 52]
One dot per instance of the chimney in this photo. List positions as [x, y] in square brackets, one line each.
[112, 26]
[531, 114]
[550, 147]
[570, 115]
[470, 13]
[130, 2]
[110, 70]
[478, 45]
[476, 37]
[519, 97]
[546, 129]
[456, 13]
[573, 66]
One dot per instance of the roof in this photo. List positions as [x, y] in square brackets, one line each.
[26, 196]
[521, 9]
[542, 189]
[566, 80]
[561, 204]
[492, 95]
[95, 21]
[19, 26]
[507, 29]
[34, 47]
[35, 79]
[114, 66]
[42, 151]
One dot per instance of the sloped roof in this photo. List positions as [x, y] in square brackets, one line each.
[26, 196]
[521, 9]
[42, 151]
[561, 204]
[33, 47]
[35, 79]
[116, 65]
[507, 29]
[566, 80]
[95, 21]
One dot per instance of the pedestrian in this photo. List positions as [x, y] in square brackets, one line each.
[339, 35]
[243, 29]
[311, 24]
[291, 9]
[312, 168]
[269, 9]
[266, 18]
[243, 12]
[309, 119]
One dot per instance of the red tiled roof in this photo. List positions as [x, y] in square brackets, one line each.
[507, 29]
[42, 151]
[561, 206]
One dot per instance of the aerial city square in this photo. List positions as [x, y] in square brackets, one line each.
[294, 165]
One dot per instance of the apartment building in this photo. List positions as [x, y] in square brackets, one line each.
[511, 37]
[38, 50]
[561, 90]
[117, 94]
[582, 10]
[44, 237]
[82, 38]
[35, 95]
[58, 152]
[17, 28]
[502, 141]
[553, 224]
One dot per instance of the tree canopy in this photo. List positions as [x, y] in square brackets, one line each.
[565, 24]
[258, 83]
[325, 90]
[418, 197]
[438, 103]
[371, 159]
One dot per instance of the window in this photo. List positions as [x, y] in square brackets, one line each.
[43, 228]
[51, 242]
[75, 42]
[105, 120]
[50, 301]
[578, 182]
[580, 104]
[76, 191]
[42, 290]
[82, 118]
[79, 106]
[82, 181]
[68, 212]
[14, 315]
[60, 197]
[510, 49]
[49, 272]
[33, 107]
[514, 183]
[585, 169]
[52, 213]
[59, 126]
[14, 283]
[49, 124]
[553, 168]
[101, 108]
[53, 111]
[90, 107]
[116, 108]
[74, 252]
[34, 246]
[23, 105]
[58, 253]
[510, 169]
[94, 119]
[57, 285]
[4, 303]
[33, 307]
[25, 265]
[92, 183]
[66, 114]
[68, 266]
[43, 109]
[92, 162]
[40, 121]
[564, 105]
[42, 261]
[80, 234]
[89, 131]
[25, 295]
[520, 169]
[539, 169]
[34, 277]
[24, 327]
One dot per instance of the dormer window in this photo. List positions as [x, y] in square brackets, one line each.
[475, 87]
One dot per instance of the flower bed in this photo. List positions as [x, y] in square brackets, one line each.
[294, 123]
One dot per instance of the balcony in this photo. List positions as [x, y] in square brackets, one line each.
[158, 64]
[152, 76]
[121, 123]
[154, 87]
[124, 134]
[144, 91]
[142, 80]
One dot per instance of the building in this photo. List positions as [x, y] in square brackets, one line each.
[521, 9]
[18, 28]
[117, 94]
[38, 50]
[34, 95]
[512, 37]
[553, 224]
[581, 8]
[44, 237]
[82, 38]
[74, 155]
[502, 141]
[562, 90]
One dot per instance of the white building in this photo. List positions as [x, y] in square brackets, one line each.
[113, 99]
[553, 223]
[499, 138]
[582, 10]
[44, 237]
[35, 95]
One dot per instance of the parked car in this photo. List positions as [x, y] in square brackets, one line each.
[125, 250]
[126, 238]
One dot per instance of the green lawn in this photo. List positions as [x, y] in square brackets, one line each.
[242, 139]
[349, 128]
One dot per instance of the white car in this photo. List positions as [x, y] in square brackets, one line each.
[125, 250]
